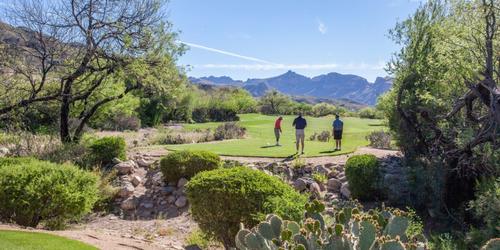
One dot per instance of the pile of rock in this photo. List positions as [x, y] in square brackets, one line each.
[301, 178]
[143, 194]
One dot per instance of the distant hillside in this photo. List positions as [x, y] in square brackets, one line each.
[330, 86]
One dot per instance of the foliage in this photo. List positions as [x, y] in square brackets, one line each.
[220, 199]
[105, 149]
[298, 162]
[81, 82]
[324, 109]
[187, 164]
[380, 139]
[33, 191]
[486, 208]
[273, 102]
[350, 229]
[370, 113]
[229, 130]
[320, 178]
[107, 192]
[362, 174]
[324, 136]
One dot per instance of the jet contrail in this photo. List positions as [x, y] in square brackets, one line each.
[226, 53]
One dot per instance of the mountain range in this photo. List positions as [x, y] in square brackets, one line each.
[330, 86]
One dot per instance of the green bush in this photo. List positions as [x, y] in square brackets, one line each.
[187, 164]
[362, 173]
[220, 199]
[33, 191]
[103, 150]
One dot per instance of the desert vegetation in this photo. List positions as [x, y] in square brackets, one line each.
[83, 70]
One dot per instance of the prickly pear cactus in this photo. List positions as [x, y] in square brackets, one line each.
[351, 229]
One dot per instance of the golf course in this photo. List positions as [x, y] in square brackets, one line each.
[20, 240]
[260, 140]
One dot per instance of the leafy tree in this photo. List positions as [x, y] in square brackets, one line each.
[444, 104]
[273, 102]
[84, 54]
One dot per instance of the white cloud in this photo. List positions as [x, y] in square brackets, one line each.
[225, 52]
[322, 27]
[264, 67]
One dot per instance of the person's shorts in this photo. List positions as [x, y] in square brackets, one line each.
[277, 132]
[300, 135]
[337, 134]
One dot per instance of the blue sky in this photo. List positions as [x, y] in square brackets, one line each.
[262, 38]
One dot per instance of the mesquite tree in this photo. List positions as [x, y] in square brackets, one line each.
[445, 104]
[83, 54]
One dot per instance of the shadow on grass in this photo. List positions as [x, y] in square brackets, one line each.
[376, 125]
[328, 152]
[289, 158]
[270, 146]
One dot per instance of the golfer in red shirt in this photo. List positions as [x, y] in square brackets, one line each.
[277, 130]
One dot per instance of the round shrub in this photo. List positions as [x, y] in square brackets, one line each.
[187, 164]
[220, 199]
[362, 173]
[103, 150]
[33, 191]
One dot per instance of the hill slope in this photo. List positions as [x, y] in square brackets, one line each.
[330, 86]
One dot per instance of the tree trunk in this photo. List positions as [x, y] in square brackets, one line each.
[64, 116]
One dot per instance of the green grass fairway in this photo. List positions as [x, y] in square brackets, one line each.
[18, 240]
[260, 137]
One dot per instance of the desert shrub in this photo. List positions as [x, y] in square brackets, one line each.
[486, 208]
[28, 144]
[69, 153]
[370, 113]
[324, 136]
[107, 191]
[323, 109]
[182, 137]
[313, 136]
[319, 177]
[103, 150]
[362, 173]
[121, 122]
[33, 191]
[214, 114]
[298, 162]
[220, 199]
[187, 164]
[380, 139]
[229, 130]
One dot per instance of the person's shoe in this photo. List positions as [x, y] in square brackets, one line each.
[302, 153]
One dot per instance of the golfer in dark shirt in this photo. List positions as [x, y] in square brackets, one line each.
[338, 127]
[300, 124]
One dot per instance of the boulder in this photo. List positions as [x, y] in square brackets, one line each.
[136, 180]
[334, 185]
[332, 174]
[125, 167]
[143, 163]
[129, 204]
[182, 182]
[329, 165]
[315, 190]
[181, 202]
[300, 184]
[344, 190]
[171, 199]
[116, 160]
[4, 152]
[126, 190]
[322, 170]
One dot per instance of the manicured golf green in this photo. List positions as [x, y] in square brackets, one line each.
[19, 240]
[260, 137]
